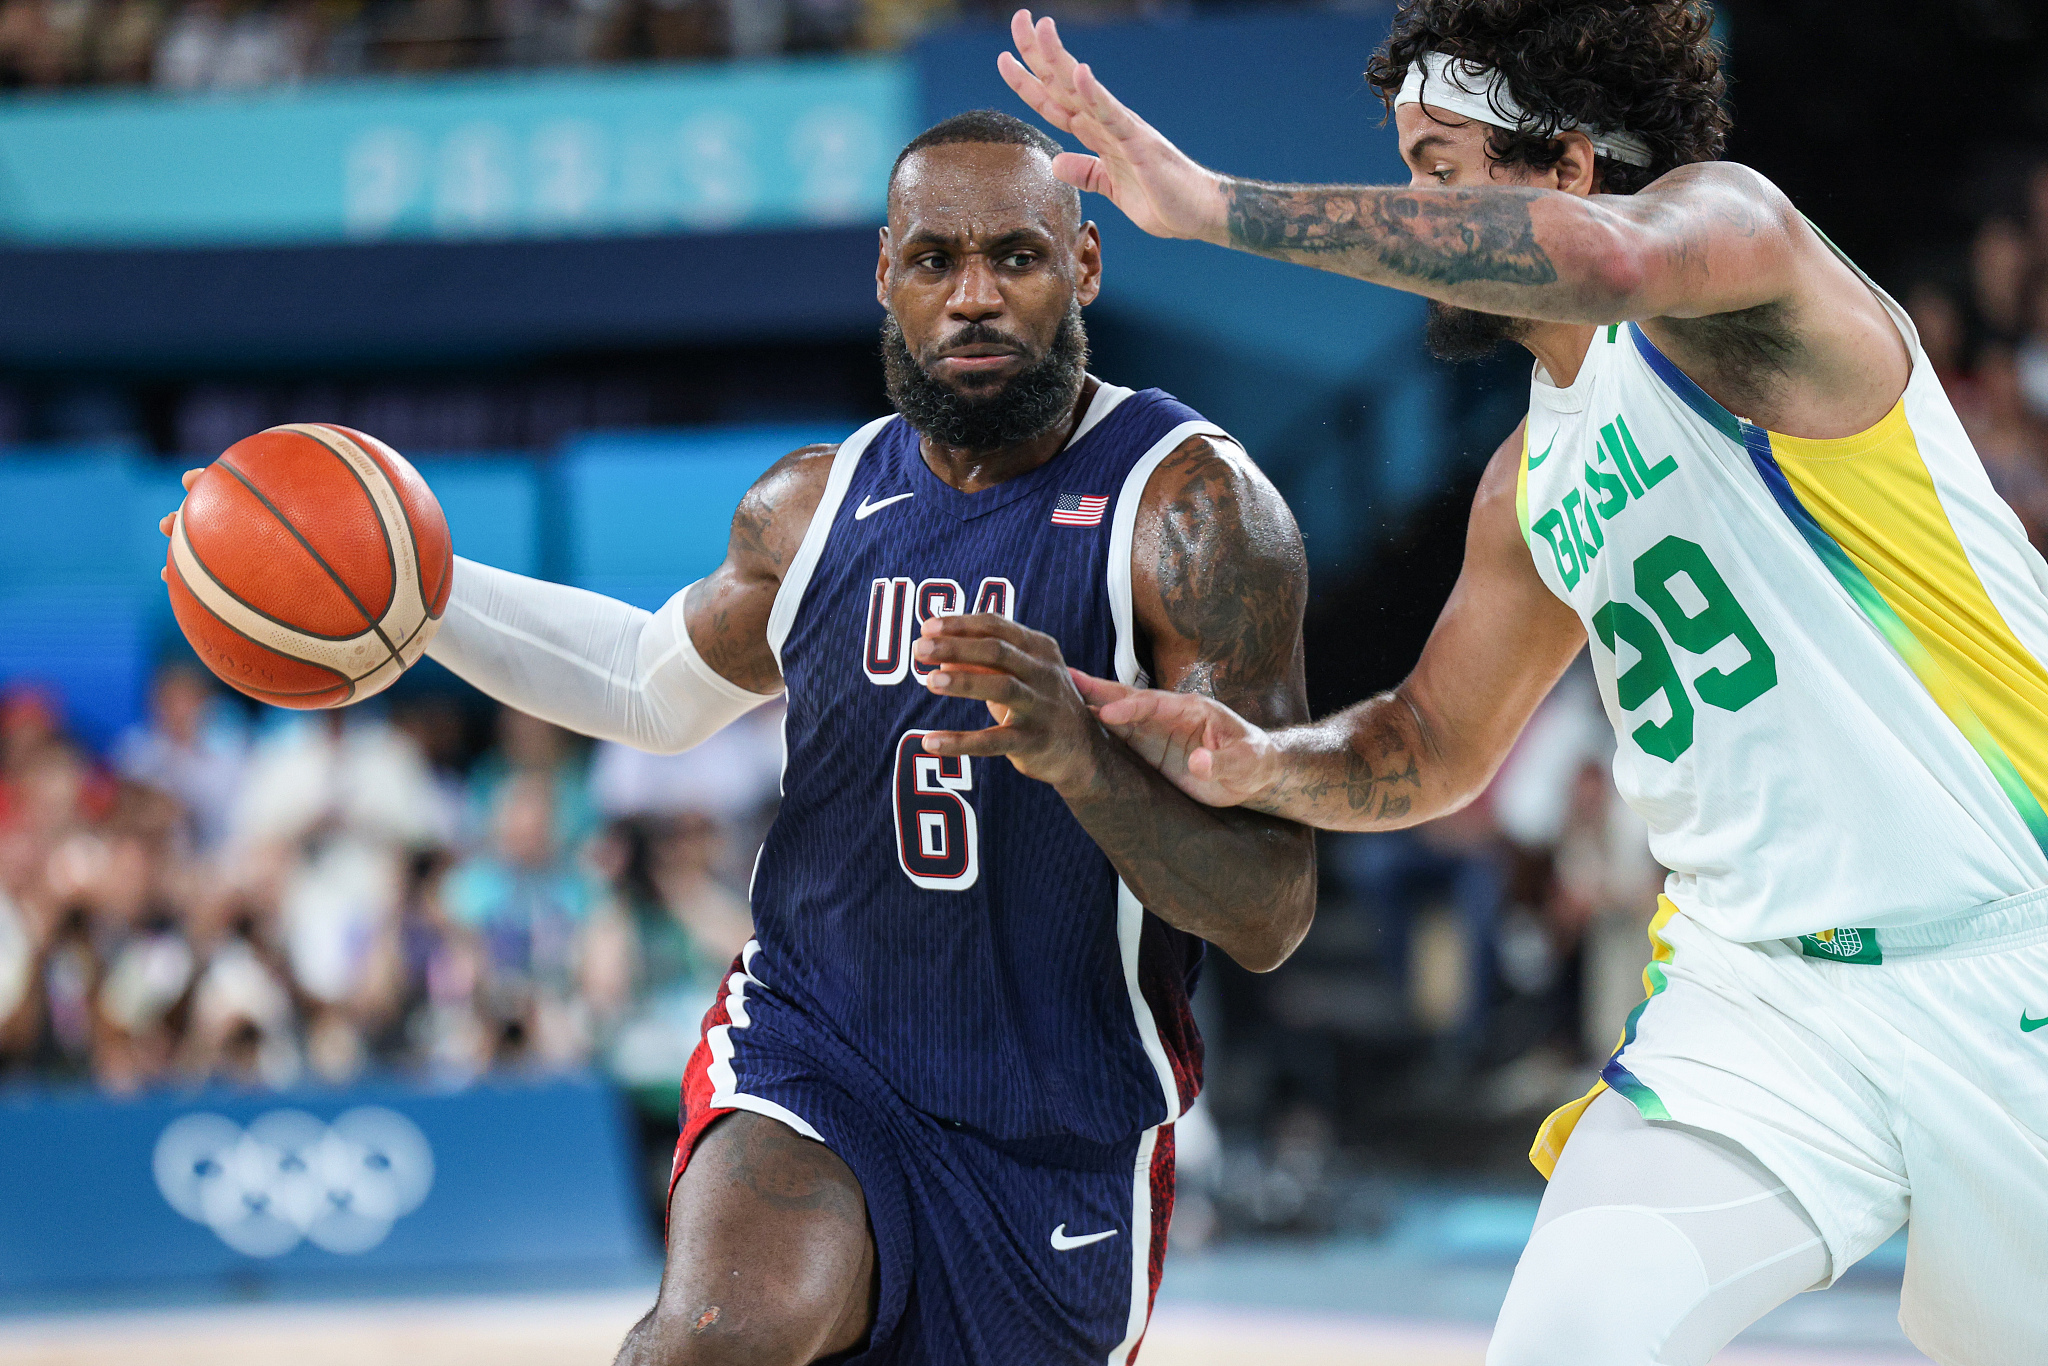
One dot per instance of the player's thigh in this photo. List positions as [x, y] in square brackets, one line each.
[770, 1258]
[1655, 1246]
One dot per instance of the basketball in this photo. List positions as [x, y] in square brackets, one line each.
[309, 565]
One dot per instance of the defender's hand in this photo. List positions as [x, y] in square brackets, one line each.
[1199, 745]
[1044, 727]
[1161, 188]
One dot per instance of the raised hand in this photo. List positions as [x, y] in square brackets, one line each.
[1199, 745]
[1160, 187]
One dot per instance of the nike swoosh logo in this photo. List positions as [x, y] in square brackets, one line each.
[1536, 460]
[867, 509]
[1062, 1243]
[2028, 1026]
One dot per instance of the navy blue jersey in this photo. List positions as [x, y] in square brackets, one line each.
[948, 919]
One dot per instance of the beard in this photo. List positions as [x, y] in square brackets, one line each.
[1001, 412]
[1467, 334]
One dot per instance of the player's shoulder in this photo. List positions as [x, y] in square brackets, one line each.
[1209, 492]
[1730, 185]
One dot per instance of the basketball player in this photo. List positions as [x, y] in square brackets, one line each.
[1817, 631]
[930, 1120]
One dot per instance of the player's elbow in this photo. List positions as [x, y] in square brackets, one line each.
[1270, 942]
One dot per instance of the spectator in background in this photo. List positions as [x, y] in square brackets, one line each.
[1944, 336]
[125, 40]
[2001, 269]
[139, 928]
[242, 1021]
[190, 749]
[2030, 361]
[668, 30]
[220, 45]
[659, 942]
[428, 980]
[527, 745]
[525, 901]
[2009, 440]
[734, 778]
[332, 805]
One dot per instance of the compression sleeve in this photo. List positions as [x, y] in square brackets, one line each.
[584, 661]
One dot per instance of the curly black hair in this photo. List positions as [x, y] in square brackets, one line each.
[1647, 67]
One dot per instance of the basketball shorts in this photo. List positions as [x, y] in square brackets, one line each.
[991, 1252]
[1886, 1078]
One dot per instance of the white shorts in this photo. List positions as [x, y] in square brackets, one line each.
[1913, 1086]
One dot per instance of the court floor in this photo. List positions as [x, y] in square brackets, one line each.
[584, 1330]
[1420, 1293]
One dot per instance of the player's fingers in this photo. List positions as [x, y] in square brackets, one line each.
[998, 688]
[164, 522]
[1033, 92]
[976, 743]
[1106, 109]
[1098, 691]
[190, 477]
[164, 574]
[1050, 59]
[1082, 172]
[1202, 764]
[1132, 710]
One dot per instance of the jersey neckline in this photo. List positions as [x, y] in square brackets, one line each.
[967, 506]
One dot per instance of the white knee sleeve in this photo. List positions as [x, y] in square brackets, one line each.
[1655, 1246]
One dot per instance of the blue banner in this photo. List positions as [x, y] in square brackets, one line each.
[539, 155]
[379, 1181]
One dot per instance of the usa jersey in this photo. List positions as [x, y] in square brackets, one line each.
[948, 919]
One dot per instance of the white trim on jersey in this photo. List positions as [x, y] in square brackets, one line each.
[790, 596]
[1123, 531]
[1141, 1251]
[725, 1092]
[1107, 397]
[1130, 915]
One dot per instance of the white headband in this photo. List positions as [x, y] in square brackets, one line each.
[1478, 92]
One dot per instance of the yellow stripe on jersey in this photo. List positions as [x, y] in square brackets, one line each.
[1873, 494]
[1556, 1130]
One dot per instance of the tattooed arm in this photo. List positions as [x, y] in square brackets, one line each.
[1706, 239]
[1219, 583]
[1418, 752]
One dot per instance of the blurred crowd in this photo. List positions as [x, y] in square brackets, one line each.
[248, 44]
[300, 897]
[1984, 323]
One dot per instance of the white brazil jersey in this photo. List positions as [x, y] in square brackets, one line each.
[1822, 658]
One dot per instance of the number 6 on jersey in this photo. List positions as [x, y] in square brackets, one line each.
[937, 840]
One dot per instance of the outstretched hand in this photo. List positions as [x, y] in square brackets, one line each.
[1199, 745]
[1160, 187]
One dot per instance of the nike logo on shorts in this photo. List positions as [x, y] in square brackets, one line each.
[2028, 1026]
[1062, 1243]
[867, 509]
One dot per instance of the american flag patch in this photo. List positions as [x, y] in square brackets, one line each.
[1078, 509]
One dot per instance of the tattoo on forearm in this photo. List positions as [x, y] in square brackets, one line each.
[1430, 236]
[1371, 776]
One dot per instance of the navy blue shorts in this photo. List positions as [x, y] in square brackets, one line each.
[992, 1252]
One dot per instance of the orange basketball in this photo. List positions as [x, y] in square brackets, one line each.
[309, 565]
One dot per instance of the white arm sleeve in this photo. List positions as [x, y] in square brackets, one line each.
[586, 662]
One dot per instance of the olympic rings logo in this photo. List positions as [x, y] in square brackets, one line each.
[289, 1178]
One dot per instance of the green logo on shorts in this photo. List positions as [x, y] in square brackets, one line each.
[1842, 946]
[2028, 1026]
